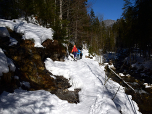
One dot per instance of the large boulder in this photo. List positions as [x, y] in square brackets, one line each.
[4, 32]
[30, 68]
[53, 49]
[4, 37]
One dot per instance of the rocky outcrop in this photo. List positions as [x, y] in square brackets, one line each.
[29, 62]
[63, 92]
[31, 66]
[54, 50]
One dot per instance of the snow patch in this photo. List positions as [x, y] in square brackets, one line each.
[4, 32]
[5, 63]
[13, 41]
[121, 74]
[16, 77]
[26, 84]
[29, 30]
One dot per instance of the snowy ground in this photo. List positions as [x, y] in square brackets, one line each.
[86, 74]
[95, 98]
[30, 31]
[5, 63]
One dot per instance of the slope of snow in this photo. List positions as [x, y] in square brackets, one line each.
[95, 98]
[5, 63]
[13, 41]
[4, 33]
[29, 30]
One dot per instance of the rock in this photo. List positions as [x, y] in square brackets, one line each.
[91, 57]
[70, 96]
[88, 57]
[136, 80]
[4, 32]
[49, 42]
[7, 77]
[61, 82]
[30, 68]
[53, 49]
[63, 93]
[36, 56]
[28, 44]
[4, 42]
[7, 82]
[110, 62]
[128, 75]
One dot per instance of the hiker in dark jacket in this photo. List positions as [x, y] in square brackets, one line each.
[74, 51]
[78, 54]
[81, 54]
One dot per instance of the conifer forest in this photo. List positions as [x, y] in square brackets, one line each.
[73, 22]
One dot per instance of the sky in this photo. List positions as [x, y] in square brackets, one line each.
[110, 9]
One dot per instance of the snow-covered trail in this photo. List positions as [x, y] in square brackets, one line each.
[95, 98]
[87, 75]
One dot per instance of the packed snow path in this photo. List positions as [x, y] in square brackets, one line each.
[86, 74]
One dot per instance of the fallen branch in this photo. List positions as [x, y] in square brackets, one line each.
[116, 93]
[121, 79]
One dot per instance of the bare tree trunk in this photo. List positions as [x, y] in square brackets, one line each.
[60, 16]
[76, 30]
[55, 13]
[67, 29]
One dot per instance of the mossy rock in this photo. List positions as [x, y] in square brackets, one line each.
[41, 68]
[16, 58]
[7, 77]
[36, 56]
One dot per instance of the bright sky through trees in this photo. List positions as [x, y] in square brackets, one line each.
[110, 9]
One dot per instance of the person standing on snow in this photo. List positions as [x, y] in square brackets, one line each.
[81, 54]
[74, 51]
[78, 54]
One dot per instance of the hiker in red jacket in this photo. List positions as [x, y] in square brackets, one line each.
[74, 51]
